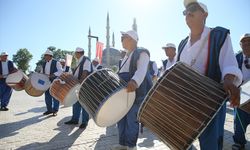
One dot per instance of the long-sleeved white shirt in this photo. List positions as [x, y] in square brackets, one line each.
[142, 67]
[5, 70]
[47, 68]
[86, 66]
[227, 60]
[170, 63]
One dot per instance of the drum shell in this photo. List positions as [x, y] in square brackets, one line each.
[61, 91]
[178, 108]
[103, 95]
[17, 80]
[40, 79]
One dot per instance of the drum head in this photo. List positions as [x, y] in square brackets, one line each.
[14, 78]
[40, 81]
[72, 96]
[114, 108]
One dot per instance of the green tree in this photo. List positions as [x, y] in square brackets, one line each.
[57, 54]
[22, 59]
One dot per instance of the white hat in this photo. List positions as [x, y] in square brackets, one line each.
[168, 45]
[48, 52]
[246, 35]
[79, 49]
[4, 54]
[203, 6]
[133, 34]
[96, 59]
[61, 60]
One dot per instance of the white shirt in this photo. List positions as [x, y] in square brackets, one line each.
[170, 63]
[47, 68]
[64, 68]
[142, 67]
[5, 70]
[86, 66]
[227, 60]
[245, 71]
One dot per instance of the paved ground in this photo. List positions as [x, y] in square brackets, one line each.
[24, 127]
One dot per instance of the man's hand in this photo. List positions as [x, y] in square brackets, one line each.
[132, 86]
[232, 90]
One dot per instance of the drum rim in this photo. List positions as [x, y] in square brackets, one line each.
[94, 72]
[19, 72]
[106, 99]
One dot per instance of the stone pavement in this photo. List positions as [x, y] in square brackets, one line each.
[24, 127]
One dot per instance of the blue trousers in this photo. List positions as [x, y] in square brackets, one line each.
[51, 103]
[240, 127]
[5, 94]
[77, 109]
[128, 127]
[212, 136]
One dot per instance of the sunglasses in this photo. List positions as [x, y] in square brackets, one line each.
[191, 9]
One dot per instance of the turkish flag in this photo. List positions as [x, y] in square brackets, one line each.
[99, 47]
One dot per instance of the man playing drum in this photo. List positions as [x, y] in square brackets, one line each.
[242, 118]
[134, 70]
[64, 67]
[83, 69]
[170, 51]
[53, 69]
[210, 52]
[6, 67]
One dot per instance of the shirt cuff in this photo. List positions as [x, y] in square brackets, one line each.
[235, 71]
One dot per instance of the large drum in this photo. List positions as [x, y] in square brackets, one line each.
[103, 94]
[65, 89]
[37, 84]
[245, 97]
[181, 105]
[17, 80]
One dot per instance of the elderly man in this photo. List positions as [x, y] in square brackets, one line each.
[83, 69]
[53, 69]
[96, 64]
[6, 67]
[170, 51]
[134, 70]
[210, 52]
[242, 118]
[64, 67]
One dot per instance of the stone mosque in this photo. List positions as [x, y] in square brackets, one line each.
[110, 55]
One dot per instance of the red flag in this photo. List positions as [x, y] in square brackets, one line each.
[99, 47]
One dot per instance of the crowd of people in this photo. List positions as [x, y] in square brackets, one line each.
[207, 50]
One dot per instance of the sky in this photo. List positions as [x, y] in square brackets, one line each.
[38, 24]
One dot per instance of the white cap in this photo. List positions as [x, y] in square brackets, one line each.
[61, 60]
[246, 35]
[96, 59]
[168, 45]
[48, 52]
[4, 54]
[133, 34]
[203, 6]
[79, 49]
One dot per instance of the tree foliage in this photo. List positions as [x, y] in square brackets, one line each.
[22, 59]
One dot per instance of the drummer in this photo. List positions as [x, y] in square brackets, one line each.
[6, 67]
[134, 70]
[170, 51]
[83, 69]
[64, 67]
[210, 52]
[96, 64]
[242, 118]
[53, 69]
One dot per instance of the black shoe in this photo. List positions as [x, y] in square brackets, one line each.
[71, 122]
[55, 113]
[83, 126]
[4, 109]
[237, 146]
[47, 113]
